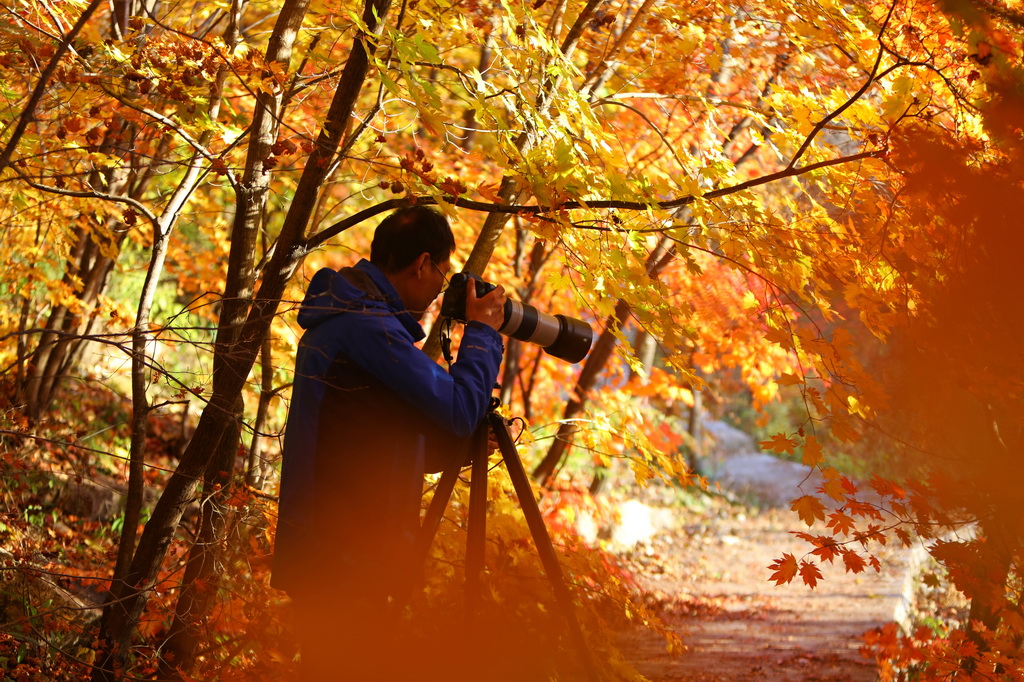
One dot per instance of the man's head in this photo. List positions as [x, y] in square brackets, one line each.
[406, 234]
[413, 247]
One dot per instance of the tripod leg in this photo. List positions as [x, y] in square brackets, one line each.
[541, 538]
[425, 538]
[443, 494]
[435, 512]
[475, 542]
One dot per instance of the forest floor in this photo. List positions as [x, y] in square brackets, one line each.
[710, 582]
[704, 564]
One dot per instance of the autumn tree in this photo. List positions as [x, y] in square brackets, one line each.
[729, 179]
[941, 393]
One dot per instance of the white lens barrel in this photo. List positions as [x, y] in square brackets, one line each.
[566, 338]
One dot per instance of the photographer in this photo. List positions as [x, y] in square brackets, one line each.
[370, 413]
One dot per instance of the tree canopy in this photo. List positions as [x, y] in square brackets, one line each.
[804, 202]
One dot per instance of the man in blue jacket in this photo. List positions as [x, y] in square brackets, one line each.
[370, 413]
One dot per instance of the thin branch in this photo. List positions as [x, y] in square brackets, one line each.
[91, 194]
[692, 99]
[28, 113]
[192, 142]
[649, 122]
[337, 228]
[872, 77]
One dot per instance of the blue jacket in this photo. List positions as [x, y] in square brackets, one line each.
[369, 413]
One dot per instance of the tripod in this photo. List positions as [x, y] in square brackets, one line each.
[478, 519]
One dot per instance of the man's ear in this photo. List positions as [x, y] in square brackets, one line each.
[422, 264]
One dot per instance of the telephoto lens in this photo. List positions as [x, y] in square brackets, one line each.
[565, 338]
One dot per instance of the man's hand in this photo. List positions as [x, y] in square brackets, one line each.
[490, 309]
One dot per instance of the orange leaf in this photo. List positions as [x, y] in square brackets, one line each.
[840, 523]
[812, 451]
[843, 429]
[787, 379]
[827, 551]
[854, 562]
[809, 508]
[779, 443]
[780, 336]
[887, 488]
[904, 537]
[785, 569]
[833, 486]
[810, 573]
[858, 508]
[489, 192]
[452, 186]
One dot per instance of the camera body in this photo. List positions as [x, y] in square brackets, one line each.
[453, 305]
[566, 338]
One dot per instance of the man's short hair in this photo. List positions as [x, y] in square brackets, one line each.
[405, 234]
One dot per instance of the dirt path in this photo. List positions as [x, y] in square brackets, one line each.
[708, 571]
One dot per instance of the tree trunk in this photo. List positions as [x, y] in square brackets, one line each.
[469, 118]
[592, 368]
[527, 266]
[49, 351]
[507, 192]
[997, 548]
[60, 348]
[646, 347]
[601, 71]
[695, 427]
[199, 583]
[140, 409]
[256, 469]
[141, 376]
[129, 596]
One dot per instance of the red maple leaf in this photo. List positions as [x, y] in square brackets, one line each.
[785, 569]
[810, 573]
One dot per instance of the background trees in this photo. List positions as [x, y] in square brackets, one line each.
[753, 187]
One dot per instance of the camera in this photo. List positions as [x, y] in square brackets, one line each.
[563, 337]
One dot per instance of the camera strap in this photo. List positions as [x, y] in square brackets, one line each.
[446, 340]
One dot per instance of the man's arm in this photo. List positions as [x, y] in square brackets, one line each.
[456, 401]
